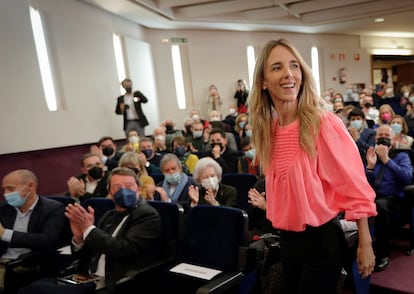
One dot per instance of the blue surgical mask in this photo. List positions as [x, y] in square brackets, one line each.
[250, 153]
[147, 152]
[356, 124]
[173, 179]
[125, 198]
[248, 133]
[397, 128]
[180, 151]
[15, 199]
[241, 124]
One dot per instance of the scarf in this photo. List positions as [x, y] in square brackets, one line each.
[178, 189]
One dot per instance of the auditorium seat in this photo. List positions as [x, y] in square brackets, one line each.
[213, 238]
[243, 183]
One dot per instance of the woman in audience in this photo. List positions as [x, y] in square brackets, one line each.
[386, 113]
[241, 121]
[400, 129]
[133, 161]
[133, 142]
[209, 190]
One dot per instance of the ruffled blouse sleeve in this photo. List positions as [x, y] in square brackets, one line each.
[341, 170]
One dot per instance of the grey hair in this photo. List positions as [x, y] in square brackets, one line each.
[204, 163]
[169, 157]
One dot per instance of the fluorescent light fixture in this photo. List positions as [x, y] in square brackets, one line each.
[178, 76]
[119, 59]
[251, 62]
[395, 51]
[43, 58]
[315, 68]
[379, 19]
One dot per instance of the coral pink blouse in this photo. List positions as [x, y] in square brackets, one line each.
[301, 190]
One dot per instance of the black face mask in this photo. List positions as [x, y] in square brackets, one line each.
[188, 129]
[108, 151]
[95, 172]
[384, 141]
[128, 90]
[216, 144]
[367, 105]
[169, 128]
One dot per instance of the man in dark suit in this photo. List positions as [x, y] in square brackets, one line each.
[129, 105]
[125, 239]
[221, 153]
[28, 223]
[91, 182]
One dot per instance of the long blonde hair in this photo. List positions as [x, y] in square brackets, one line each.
[261, 107]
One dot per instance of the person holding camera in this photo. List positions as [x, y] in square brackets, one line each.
[129, 105]
[220, 152]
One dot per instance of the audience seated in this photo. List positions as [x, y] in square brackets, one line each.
[91, 182]
[197, 141]
[125, 239]
[133, 142]
[188, 128]
[174, 187]
[28, 224]
[209, 190]
[363, 136]
[133, 161]
[180, 148]
[159, 137]
[220, 152]
[369, 109]
[230, 137]
[230, 118]
[171, 133]
[386, 113]
[400, 129]
[245, 164]
[153, 159]
[241, 121]
[388, 171]
[106, 151]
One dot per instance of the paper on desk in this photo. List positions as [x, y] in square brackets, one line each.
[195, 271]
[65, 250]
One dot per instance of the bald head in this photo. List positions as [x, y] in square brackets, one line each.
[22, 176]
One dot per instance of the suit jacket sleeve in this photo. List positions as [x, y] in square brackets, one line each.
[141, 96]
[118, 103]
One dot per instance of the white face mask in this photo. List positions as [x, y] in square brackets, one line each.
[133, 139]
[210, 183]
[232, 111]
[389, 90]
[195, 116]
[160, 138]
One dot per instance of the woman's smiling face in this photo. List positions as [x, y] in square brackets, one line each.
[282, 75]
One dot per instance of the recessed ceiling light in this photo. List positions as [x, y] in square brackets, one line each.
[379, 19]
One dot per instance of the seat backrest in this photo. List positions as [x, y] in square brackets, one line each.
[172, 227]
[67, 232]
[243, 183]
[213, 236]
[100, 205]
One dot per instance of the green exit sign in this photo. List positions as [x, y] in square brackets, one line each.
[178, 40]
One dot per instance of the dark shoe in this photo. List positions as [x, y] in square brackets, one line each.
[381, 264]
[410, 251]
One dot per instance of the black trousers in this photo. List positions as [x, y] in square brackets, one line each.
[312, 259]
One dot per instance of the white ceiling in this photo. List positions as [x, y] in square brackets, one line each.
[355, 17]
